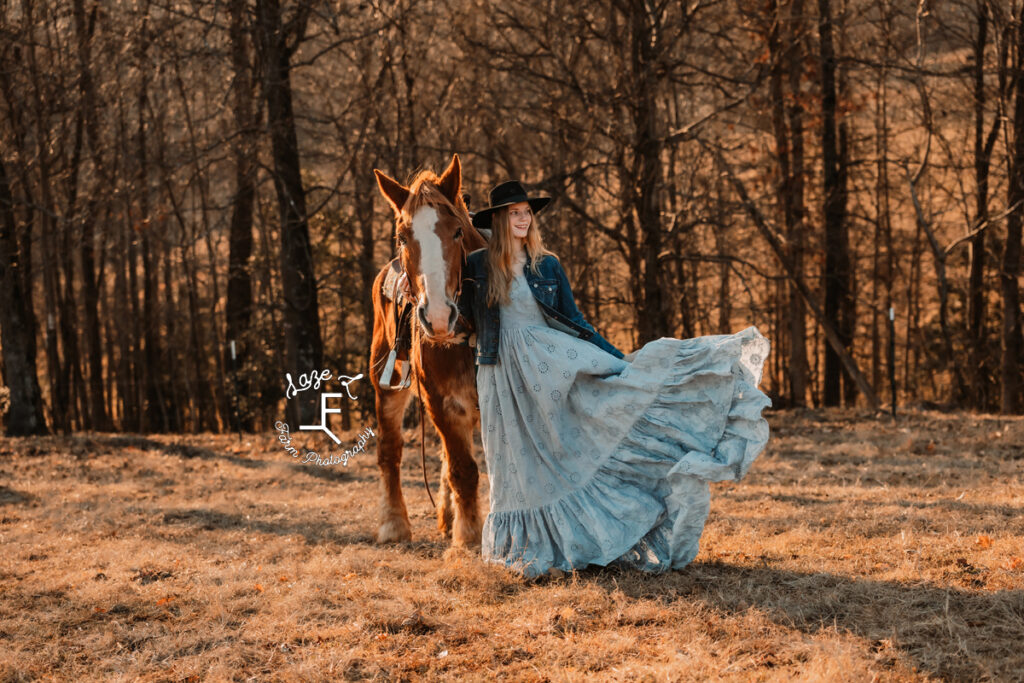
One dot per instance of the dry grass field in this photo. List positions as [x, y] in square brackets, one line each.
[856, 549]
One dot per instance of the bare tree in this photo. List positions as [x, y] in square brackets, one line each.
[278, 38]
[19, 350]
[1012, 345]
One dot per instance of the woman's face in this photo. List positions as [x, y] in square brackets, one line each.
[519, 219]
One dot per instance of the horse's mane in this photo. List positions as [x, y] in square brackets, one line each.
[423, 191]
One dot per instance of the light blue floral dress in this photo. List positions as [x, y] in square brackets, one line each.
[594, 459]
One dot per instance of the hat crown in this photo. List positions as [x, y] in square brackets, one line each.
[503, 195]
[508, 192]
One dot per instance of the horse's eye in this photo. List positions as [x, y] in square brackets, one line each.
[401, 240]
[458, 234]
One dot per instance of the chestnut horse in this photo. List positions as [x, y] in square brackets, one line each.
[433, 235]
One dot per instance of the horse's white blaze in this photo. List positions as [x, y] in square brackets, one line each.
[432, 266]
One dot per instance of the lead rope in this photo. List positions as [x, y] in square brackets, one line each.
[423, 426]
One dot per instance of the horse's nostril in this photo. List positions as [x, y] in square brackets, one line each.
[421, 313]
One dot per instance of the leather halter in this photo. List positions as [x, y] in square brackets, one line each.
[402, 311]
[402, 305]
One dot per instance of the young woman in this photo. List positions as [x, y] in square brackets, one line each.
[594, 457]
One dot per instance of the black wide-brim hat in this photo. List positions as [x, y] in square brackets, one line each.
[506, 194]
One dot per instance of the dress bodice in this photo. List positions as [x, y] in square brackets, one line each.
[522, 309]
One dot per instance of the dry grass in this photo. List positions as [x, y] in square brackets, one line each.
[855, 550]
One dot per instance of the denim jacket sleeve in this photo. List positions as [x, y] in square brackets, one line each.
[566, 305]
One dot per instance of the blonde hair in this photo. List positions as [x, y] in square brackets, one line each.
[499, 254]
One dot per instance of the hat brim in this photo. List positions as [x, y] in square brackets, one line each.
[482, 218]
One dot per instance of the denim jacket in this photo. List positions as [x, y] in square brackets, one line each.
[550, 289]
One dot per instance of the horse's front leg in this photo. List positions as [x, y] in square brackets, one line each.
[445, 512]
[454, 416]
[394, 518]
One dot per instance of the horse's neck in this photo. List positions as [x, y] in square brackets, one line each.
[474, 239]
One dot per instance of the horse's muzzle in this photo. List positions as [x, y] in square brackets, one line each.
[436, 334]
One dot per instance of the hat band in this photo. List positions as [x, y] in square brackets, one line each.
[514, 199]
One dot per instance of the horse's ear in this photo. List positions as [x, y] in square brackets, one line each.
[393, 191]
[451, 180]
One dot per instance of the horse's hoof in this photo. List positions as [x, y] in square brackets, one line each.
[466, 536]
[445, 522]
[394, 531]
[467, 544]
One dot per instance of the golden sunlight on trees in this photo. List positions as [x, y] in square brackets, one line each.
[188, 209]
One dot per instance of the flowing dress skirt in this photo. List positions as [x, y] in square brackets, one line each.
[594, 459]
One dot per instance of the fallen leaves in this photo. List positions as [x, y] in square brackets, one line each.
[1013, 563]
[983, 541]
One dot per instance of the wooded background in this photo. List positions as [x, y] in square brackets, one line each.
[178, 175]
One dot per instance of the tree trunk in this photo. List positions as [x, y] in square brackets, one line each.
[724, 266]
[175, 381]
[17, 335]
[836, 251]
[787, 122]
[99, 418]
[846, 249]
[156, 418]
[301, 310]
[239, 304]
[44, 157]
[655, 317]
[882, 266]
[1012, 346]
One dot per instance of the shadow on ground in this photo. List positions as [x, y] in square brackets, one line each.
[951, 633]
